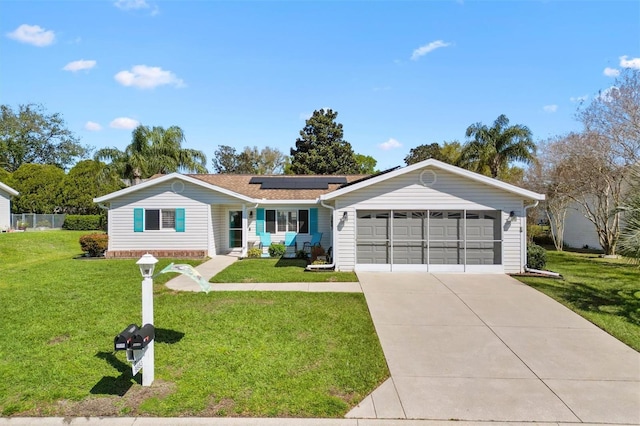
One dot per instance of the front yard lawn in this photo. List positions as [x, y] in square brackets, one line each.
[604, 291]
[277, 271]
[217, 354]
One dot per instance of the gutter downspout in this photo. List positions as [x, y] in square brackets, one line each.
[524, 236]
[333, 241]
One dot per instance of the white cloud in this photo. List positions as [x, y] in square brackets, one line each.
[611, 72]
[79, 65]
[608, 94]
[390, 144]
[630, 63]
[423, 50]
[33, 34]
[92, 126]
[578, 99]
[124, 123]
[131, 4]
[550, 108]
[144, 77]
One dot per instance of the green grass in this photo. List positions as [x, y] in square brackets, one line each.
[277, 271]
[604, 291]
[234, 354]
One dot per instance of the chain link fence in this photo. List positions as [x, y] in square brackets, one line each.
[33, 220]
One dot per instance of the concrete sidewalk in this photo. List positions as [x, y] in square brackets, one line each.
[488, 348]
[244, 421]
[211, 267]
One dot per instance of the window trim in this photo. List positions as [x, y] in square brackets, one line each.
[141, 222]
[271, 220]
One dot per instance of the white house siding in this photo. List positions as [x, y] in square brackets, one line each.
[219, 223]
[195, 200]
[5, 210]
[449, 192]
[579, 231]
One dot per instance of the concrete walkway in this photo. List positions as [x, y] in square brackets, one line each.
[211, 267]
[488, 348]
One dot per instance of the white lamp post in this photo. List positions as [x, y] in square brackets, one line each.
[147, 263]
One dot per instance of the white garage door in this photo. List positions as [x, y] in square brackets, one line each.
[431, 240]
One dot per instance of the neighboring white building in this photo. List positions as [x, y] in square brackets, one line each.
[579, 232]
[6, 193]
[429, 216]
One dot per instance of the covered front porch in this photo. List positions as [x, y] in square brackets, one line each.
[236, 228]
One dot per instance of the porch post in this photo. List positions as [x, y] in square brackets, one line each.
[245, 231]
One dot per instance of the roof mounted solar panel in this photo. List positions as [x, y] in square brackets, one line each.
[297, 182]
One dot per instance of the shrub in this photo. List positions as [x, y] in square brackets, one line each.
[94, 244]
[301, 254]
[277, 250]
[316, 251]
[43, 224]
[77, 222]
[254, 252]
[536, 256]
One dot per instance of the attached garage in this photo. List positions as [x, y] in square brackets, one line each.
[436, 240]
[430, 217]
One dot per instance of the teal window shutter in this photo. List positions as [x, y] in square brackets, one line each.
[313, 220]
[259, 221]
[179, 220]
[138, 220]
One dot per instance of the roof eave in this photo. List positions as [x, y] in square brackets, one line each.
[9, 190]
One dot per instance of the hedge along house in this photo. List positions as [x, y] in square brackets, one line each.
[6, 193]
[429, 216]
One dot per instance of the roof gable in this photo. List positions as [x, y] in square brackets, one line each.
[524, 193]
[156, 181]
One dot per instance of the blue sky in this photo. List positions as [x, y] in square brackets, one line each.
[248, 73]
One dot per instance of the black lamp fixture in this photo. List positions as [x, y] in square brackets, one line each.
[512, 216]
[250, 213]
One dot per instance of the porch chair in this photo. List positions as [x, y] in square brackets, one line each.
[265, 242]
[316, 238]
[290, 244]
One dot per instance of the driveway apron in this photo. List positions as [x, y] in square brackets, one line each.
[489, 348]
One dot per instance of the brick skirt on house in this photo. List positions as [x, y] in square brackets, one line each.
[179, 254]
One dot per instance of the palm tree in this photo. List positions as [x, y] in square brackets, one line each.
[493, 148]
[153, 151]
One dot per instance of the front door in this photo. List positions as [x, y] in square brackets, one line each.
[235, 228]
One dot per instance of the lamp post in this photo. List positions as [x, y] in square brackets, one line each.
[147, 263]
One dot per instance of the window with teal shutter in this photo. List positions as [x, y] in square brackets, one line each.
[179, 220]
[259, 221]
[138, 220]
[313, 221]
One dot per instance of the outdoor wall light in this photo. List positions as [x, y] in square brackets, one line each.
[512, 216]
[345, 216]
[147, 263]
[250, 214]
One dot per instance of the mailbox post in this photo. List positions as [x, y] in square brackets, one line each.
[147, 264]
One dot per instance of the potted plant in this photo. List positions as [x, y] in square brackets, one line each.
[22, 225]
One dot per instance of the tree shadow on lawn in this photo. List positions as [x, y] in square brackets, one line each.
[109, 385]
[624, 303]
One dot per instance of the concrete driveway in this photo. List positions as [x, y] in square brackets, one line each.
[486, 347]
